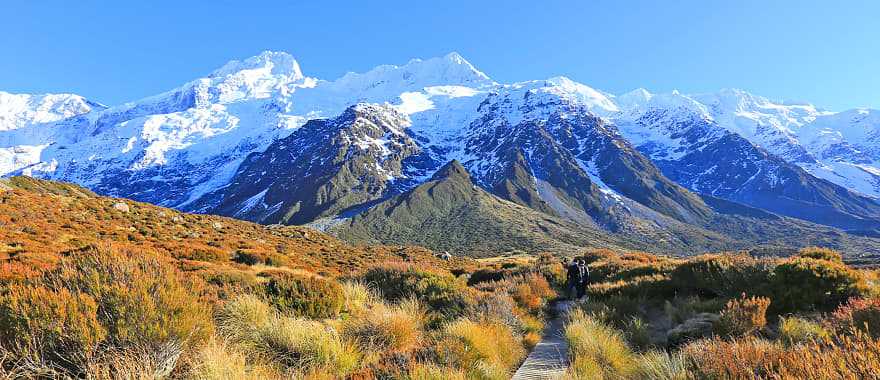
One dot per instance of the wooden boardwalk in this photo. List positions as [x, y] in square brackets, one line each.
[549, 359]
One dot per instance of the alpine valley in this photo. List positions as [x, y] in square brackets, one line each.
[435, 153]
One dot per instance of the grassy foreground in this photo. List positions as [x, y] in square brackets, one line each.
[726, 317]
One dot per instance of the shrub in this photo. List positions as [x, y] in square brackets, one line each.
[246, 257]
[654, 286]
[681, 309]
[303, 294]
[743, 316]
[849, 358]
[484, 350]
[858, 314]
[97, 298]
[443, 295]
[820, 254]
[722, 276]
[140, 299]
[794, 330]
[531, 291]
[494, 307]
[597, 350]
[486, 275]
[58, 326]
[637, 333]
[807, 284]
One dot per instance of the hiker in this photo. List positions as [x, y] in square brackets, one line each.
[583, 275]
[573, 279]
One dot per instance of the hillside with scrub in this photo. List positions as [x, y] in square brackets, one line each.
[102, 288]
[726, 316]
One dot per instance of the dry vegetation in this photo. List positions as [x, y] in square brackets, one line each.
[100, 288]
[726, 317]
[103, 288]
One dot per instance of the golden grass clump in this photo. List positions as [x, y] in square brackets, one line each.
[488, 350]
[387, 329]
[597, 350]
[217, 360]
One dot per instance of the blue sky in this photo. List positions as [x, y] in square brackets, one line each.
[824, 52]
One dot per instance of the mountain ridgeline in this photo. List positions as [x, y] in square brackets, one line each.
[435, 153]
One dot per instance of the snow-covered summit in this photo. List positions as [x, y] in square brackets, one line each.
[267, 62]
[20, 110]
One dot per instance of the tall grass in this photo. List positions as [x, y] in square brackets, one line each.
[386, 329]
[597, 350]
[487, 350]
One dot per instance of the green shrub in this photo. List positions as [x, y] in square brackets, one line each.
[820, 254]
[801, 284]
[303, 294]
[249, 257]
[722, 276]
[637, 333]
[443, 295]
[794, 330]
[487, 275]
[743, 316]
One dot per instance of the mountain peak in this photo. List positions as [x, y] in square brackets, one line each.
[276, 63]
[452, 170]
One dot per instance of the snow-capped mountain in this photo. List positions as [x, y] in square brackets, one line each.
[259, 139]
[692, 147]
[839, 147]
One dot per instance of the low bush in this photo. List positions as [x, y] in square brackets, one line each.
[795, 330]
[743, 316]
[724, 275]
[850, 357]
[102, 300]
[445, 296]
[303, 294]
[820, 254]
[858, 314]
[57, 326]
[802, 284]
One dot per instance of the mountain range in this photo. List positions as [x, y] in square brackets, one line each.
[436, 153]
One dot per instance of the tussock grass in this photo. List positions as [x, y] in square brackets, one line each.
[485, 350]
[597, 350]
[388, 329]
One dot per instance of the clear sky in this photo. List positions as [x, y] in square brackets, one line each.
[824, 52]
